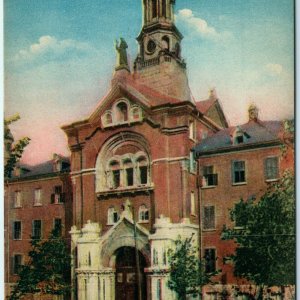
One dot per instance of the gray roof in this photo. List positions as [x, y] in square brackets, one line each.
[255, 132]
[44, 168]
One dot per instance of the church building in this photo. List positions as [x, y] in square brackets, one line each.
[133, 167]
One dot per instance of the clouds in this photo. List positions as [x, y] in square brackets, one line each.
[51, 47]
[274, 69]
[200, 26]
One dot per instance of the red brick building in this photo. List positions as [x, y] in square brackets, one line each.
[37, 199]
[134, 181]
[236, 163]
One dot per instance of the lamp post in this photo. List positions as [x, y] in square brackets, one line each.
[137, 260]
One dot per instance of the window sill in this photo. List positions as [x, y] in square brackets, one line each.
[239, 183]
[143, 222]
[17, 206]
[238, 227]
[193, 140]
[59, 203]
[209, 230]
[37, 205]
[17, 239]
[209, 187]
[128, 122]
[125, 190]
[272, 180]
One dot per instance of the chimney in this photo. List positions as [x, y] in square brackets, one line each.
[253, 112]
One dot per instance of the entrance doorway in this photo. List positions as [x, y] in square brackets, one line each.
[126, 277]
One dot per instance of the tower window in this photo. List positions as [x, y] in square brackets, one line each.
[164, 8]
[166, 43]
[144, 174]
[154, 9]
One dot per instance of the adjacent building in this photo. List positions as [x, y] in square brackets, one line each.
[37, 200]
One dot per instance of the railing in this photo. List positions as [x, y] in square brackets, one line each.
[211, 179]
[153, 62]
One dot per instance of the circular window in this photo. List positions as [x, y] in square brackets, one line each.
[151, 46]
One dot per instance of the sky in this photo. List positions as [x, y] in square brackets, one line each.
[59, 59]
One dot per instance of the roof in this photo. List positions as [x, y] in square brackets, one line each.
[256, 132]
[204, 105]
[44, 168]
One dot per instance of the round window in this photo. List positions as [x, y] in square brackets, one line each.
[151, 46]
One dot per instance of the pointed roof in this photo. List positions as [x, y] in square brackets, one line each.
[212, 108]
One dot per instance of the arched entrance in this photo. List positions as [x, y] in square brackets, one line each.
[126, 274]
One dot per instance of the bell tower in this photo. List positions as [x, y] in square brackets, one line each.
[159, 34]
[159, 63]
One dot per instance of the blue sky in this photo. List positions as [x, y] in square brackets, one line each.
[59, 58]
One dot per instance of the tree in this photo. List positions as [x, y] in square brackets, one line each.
[12, 153]
[266, 240]
[187, 272]
[48, 268]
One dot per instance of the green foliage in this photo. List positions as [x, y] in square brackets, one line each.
[187, 272]
[48, 269]
[15, 151]
[266, 240]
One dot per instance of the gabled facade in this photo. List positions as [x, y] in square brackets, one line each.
[132, 163]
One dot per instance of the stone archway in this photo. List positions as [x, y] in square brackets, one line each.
[126, 281]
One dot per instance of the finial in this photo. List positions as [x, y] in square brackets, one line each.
[213, 93]
[122, 61]
[253, 112]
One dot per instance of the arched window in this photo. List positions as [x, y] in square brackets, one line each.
[122, 112]
[164, 8]
[128, 169]
[115, 174]
[166, 43]
[177, 50]
[136, 113]
[143, 213]
[142, 168]
[107, 118]
[154, 9]
[112, 216]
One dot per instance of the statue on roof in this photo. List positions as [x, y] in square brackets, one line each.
[122, 61]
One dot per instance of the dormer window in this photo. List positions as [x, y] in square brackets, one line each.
[239, 136]
[239, 139]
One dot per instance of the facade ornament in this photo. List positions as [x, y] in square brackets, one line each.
[127, 213]
[122, 60]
